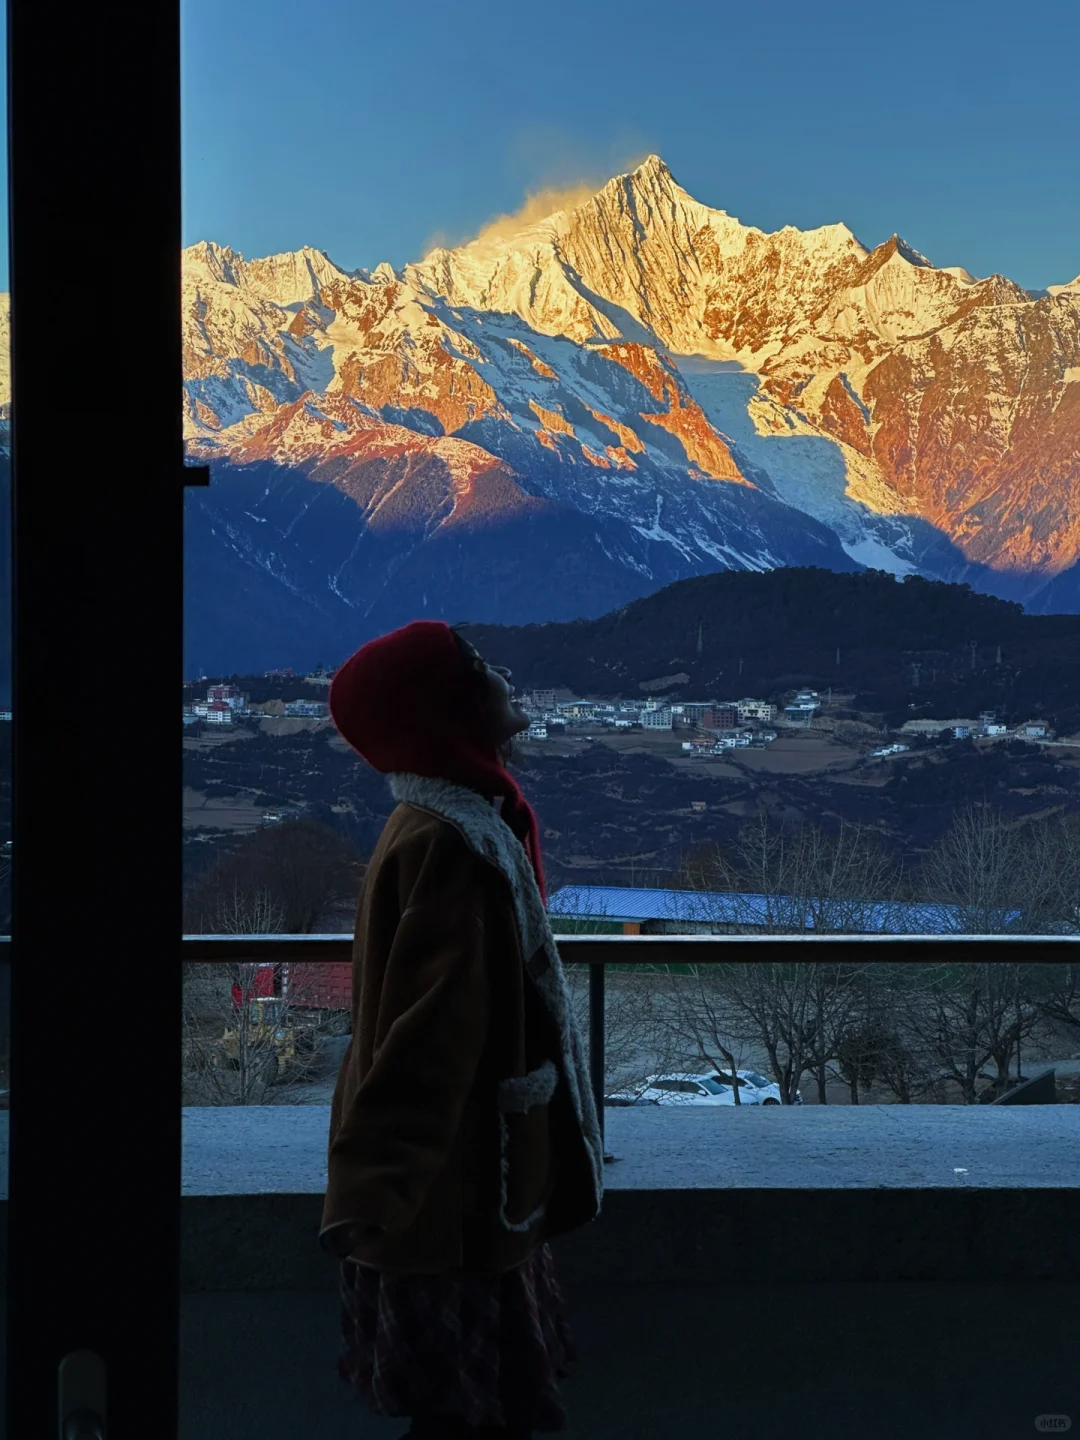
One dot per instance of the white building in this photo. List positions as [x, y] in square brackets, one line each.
[536, 732]
[218, 713]
[659, 719]
[749, 709]
[312, 709]
[800, 713]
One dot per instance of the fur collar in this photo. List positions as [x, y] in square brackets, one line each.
[492, 838]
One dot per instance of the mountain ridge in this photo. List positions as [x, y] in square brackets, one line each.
[701, 394]
[617, 355]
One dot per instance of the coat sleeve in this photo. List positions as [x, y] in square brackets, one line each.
[397, 1127]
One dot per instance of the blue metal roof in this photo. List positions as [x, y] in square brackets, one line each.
[623, 903]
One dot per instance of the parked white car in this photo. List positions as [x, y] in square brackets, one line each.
[678, 1088]
[685, 1088]
[755, 1089]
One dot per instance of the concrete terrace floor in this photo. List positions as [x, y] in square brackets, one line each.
[891, 1360]
[899, 1361]
[662, 1358]
[268, 1149]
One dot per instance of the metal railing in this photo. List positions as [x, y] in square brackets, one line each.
[599, 951]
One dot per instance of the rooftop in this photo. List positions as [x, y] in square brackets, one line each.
[725, 907]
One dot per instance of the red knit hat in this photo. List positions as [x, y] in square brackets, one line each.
[405, 702]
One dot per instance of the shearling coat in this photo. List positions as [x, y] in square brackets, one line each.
[463, 1132]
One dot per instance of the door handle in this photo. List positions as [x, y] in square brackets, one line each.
[81, 1392]
[84, 1425]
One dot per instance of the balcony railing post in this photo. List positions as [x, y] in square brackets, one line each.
[596, 1037]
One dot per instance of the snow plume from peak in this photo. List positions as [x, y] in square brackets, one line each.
[539, 206]
[542, 204]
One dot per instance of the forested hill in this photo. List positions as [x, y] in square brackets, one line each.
[739, 633]
[903, 648]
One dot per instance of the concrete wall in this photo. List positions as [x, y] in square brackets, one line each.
[700, 1195]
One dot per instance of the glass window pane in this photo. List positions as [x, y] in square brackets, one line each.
[763, 512]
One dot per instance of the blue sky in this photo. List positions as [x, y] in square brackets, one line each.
[369, 131]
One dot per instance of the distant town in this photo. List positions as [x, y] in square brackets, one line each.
[719, 726]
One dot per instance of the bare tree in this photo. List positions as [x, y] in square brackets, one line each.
[1058, 857]
[233, 911]
[1067, 868]
[303, 866]
[218, 1014]
[280, 880]
[990, 876]
[239, 1041]
[1060, 1002]
[837, 1013]
[730, 1006]
[899, 1029]
[784, 879]
[967, 1015]
[875, 1049]
[998, 876]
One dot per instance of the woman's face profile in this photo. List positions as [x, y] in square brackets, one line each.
[506, 715]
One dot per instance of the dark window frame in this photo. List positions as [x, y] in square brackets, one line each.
[95, 1159]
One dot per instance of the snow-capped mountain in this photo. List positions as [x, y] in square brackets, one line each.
[667, 390]
[562, 416]
[864, 383]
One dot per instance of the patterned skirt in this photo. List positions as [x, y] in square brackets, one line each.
[490, 1349]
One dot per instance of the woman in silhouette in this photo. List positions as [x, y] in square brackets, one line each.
[463, 1133]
